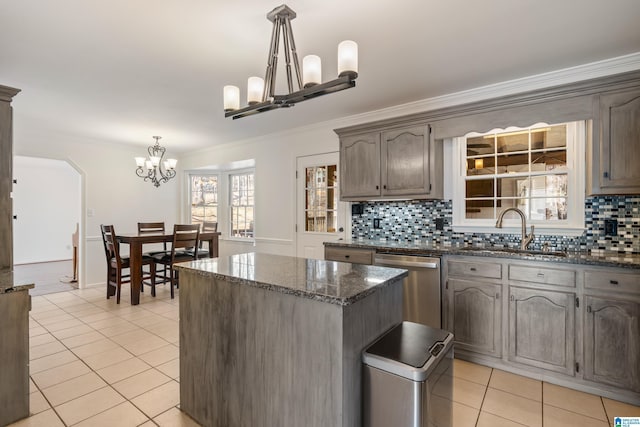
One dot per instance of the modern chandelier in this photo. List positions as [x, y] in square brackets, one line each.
[154, 168]
[261, 95]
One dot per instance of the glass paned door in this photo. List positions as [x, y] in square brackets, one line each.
[320, 215]
[321, 198]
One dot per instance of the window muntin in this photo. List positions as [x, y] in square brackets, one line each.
[241, 203]
[203, 191]
[321, 199]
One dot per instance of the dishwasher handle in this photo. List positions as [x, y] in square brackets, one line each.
[386, 262]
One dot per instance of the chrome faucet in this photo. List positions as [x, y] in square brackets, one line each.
[525, 239]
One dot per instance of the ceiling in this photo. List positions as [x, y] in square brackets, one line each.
[124, 70]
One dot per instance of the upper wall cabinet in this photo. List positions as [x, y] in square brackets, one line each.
[615, 151]
[391, 163]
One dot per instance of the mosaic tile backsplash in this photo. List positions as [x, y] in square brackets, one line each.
[416, 220]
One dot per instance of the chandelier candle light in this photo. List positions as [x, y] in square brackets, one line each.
[261, 92]
[153, 168]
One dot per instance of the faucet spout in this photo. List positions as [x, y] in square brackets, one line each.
[526, 239]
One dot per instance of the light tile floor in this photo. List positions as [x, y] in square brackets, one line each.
[96, 363]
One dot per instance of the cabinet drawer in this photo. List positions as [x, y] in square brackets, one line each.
[542, 275]
[355, 256]
[612, 281]
[475, 269]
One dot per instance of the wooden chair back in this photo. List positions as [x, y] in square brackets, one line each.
[209, 226]
[111, 246]
[185, 236]
[150, 227]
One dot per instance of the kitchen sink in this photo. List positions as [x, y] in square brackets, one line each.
[514, 251]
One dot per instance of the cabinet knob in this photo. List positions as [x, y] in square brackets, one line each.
[384, 186]
[606, 174]
[341, 229]
[15, 217]
[377, 187]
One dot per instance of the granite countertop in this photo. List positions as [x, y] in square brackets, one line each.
[7, 285]
[326, 281]
[598, 258]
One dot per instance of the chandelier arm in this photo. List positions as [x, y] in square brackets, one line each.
[270, 69]
[294, 53]
[286, 34]
[274, 58]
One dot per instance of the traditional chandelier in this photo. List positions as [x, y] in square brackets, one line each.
[261, 95]
[154, 168]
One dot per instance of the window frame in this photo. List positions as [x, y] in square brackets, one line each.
[574, 225]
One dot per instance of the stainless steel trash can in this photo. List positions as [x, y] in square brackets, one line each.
[408, 378]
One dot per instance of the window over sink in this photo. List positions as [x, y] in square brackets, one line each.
[537, 169]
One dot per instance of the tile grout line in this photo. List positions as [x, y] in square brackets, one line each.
[92, 370]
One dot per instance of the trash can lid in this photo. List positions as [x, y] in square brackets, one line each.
[410, 344]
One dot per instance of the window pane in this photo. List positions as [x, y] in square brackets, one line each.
[332, 176]
[550, 137]
[331, 221]
[513, 163]
[204, 198]
[513, 187]
[513, 141]
[479, 209]
[480, 188]
[480, 145]
[548, 160]
[549, 209]
[481, 166]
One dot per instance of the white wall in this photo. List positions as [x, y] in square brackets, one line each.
[46, 200]
[111, 191]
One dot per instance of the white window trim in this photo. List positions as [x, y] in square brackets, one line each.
[573, 226]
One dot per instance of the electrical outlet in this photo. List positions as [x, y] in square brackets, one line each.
[610, 227]
[376, 223]
[439, 223]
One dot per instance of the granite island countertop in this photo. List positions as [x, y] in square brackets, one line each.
[597, 258]
[326, 281]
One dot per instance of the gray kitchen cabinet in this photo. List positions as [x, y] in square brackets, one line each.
[360, 166]
[392, 162]
[475, 317]
[405, 161]
[14, 349]
[542, 328]
[615, 145]
[612, 342]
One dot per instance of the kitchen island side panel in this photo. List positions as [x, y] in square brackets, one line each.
[364, 322]
[255, 357]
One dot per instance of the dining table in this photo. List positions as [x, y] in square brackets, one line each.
[136, 242]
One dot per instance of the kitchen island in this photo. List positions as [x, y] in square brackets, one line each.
[268, 340]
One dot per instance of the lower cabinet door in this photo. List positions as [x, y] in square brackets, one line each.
[612, 342]
[476, 316]
[542, 329]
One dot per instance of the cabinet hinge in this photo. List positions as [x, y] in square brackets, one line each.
[577, 302]
[577, 367]
[296, 228]
[296, 174]
[446, 284]
[429, 187]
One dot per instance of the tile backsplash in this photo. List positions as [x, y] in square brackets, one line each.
[430, 220]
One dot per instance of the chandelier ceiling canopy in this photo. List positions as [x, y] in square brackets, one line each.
[261, 95]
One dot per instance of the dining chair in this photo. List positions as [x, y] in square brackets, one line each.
[185, 240]
[154, 227]
[117, 263]
[207, 227]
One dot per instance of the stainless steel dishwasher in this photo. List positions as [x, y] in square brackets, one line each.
[421, 299]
